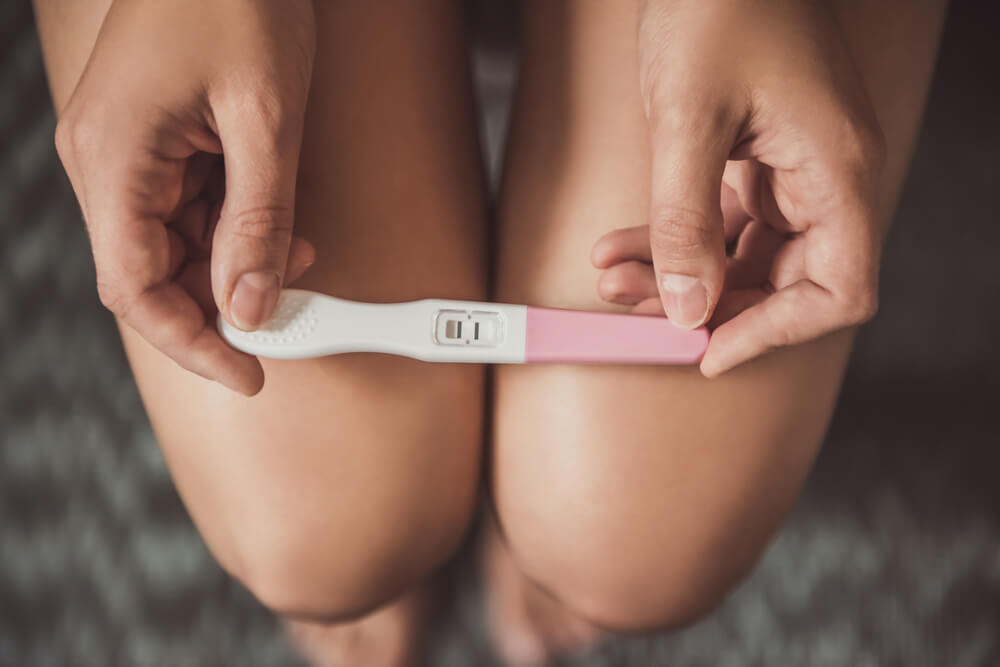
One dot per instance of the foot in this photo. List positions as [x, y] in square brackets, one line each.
[388, 637]
[527, 626]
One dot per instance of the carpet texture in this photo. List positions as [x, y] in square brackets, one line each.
[891, 556]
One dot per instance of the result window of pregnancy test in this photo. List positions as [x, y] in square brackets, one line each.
[473, 328]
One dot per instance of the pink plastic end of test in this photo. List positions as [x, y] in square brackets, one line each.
[573, 336]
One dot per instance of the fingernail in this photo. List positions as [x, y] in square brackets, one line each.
[253, 299]
[686, 300]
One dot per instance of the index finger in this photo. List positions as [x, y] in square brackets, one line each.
[132, 254]
[170, 320]
[836, 287]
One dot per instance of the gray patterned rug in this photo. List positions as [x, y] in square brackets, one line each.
[891, 557]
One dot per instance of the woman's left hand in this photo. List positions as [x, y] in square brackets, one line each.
[763, 137]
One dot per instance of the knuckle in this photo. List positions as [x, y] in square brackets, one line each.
[178, 335]
[259, 106]
[679, 233]
[266, 223]
[611, 286]
[172, 335]
[62, 137]
[781, 337]
[73, 137]
[864, 146]
[113, 297]
[863, 306]
[270, 113]
[267, 110]
[860, 306]
[780, 313]
[677, 104]
[675, 111]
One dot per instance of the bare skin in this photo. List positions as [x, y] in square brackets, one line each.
[185, 169]
[627, 499]
[387, 637]
[347, 480]
[637, 497]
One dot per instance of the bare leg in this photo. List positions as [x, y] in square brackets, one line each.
[391, 635]
[638, 497]
[348, 479]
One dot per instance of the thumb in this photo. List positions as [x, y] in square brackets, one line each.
[687, 238]
[251, 243]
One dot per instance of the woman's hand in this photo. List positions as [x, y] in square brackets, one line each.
[182, 141]
[763, 138]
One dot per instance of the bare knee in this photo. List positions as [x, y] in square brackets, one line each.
[611, 593]
[348, 510]
[632, 584]
[638, 507]
[292, 584]
[633, 536]
[353, 566]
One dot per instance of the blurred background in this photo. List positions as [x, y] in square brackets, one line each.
[891, 556]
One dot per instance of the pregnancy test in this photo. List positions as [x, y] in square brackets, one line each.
[309, 324]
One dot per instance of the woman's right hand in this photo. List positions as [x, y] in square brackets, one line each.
[182, 143]
[766, 100]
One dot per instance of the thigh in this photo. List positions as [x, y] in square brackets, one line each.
[349, 463]
[639, 495]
